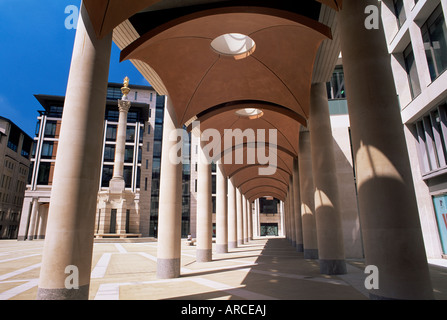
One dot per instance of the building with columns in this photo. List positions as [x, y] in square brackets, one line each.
[250, 79]
[138, 146]
[15, 151]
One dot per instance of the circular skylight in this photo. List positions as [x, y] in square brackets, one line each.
[251, 113]
[235, 45]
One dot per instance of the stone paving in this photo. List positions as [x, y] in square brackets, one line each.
[263, 269]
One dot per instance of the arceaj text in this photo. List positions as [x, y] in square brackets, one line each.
[243, 309]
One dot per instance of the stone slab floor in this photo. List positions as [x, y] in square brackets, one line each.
[263, 269]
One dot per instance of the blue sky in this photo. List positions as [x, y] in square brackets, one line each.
[35, 56]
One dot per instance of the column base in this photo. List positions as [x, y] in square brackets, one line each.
[332, 267]
[168, 268]
[232, 245]
[204, 255]
[63, 294]
[222, 248]
[311, 254]
[299, 247]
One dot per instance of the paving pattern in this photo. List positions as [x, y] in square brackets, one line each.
[263, 269]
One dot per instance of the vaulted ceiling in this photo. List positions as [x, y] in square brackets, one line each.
[169, 41]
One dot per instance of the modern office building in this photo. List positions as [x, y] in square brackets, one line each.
[416, 35]
[15, 150]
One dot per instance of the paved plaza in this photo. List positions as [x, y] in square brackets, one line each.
[263, 269]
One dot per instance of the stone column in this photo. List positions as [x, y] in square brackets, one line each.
[292, 213]
[244, 218]
[232, 215]
[33, 219]
[170, 202]
[117, 183]
[71, 220]
[239, 223]
[327, 207]
[391, 230]
[221, 210]
[310, 242]
[297, 206]
[24, 219]
[250, 220]
[204, 209]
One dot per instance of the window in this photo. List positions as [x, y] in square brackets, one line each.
[111, 133]
[109, 153]
[50, 129]
[55, 111]
[127, 173]
[128, 154]
[114, 93]
[336, 86]
[399, 11]
[431, 133]
[434, 34]
[44, 176]
[47, 150]
[130, 134]
[157, 148]
[412, 72]
[112, 115]
[107, 174]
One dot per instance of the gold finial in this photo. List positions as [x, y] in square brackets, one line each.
[125, 89]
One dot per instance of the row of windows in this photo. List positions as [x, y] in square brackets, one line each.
[434, 36]
[9, 216]
[431, 133]
[8, 233]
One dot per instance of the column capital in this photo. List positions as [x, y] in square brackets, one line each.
[124, 105]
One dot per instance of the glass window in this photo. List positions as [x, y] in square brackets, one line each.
[50, 129]
[47, 150]
[412, 72]
[434, 34]
[111, 133]
[157, 148]
[127, 173]
[114, 93]
[107, 174]
[44, 175]
[56, 111]
[109, 153]
[130, 134]
[128, 154]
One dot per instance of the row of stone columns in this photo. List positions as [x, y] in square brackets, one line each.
[313, 212]
[234, 224]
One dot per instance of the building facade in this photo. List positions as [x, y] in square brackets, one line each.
[140, 151]
[15, 151]
[416, 35]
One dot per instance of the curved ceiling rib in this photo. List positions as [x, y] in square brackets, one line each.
[108, 14]
[196, 81]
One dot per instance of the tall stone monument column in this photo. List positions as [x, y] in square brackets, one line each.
[125, 210]
[117, 183]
